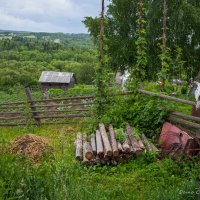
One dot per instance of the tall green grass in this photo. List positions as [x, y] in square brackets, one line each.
[60, 177]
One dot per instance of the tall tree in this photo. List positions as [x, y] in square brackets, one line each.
[101, 50]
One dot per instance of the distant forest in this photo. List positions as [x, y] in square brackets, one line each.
[23, 56]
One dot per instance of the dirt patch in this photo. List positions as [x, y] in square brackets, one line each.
[31, 146]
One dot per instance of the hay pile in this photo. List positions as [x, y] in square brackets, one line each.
[31, 146]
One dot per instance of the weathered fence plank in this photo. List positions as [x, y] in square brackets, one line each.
[184, 116]
[170, 98]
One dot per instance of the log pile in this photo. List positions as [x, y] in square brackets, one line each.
[103, 147]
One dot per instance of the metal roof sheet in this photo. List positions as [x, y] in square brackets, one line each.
[55, 77]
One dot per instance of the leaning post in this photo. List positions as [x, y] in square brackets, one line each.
[33, 106]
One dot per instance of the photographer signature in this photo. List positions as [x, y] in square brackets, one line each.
[195, 191]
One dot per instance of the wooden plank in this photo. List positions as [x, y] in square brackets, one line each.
[8, 107]
[170, 98]
[62, 111]
[42, 123]
[65, 99]
[13, 103]
[184, 122]
[184, 116]
[63, 105]
[12, 113]
[60, 99]
[12, 118]
[62, 116]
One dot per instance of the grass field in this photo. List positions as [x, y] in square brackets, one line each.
[60, 177]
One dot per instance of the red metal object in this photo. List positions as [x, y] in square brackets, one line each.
[173, 140]
[171, 134]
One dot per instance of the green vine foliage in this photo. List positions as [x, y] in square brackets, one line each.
[178, 63]
[138, 72]
[172, 64]
[166, 64]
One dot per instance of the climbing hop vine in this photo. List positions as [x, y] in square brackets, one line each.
[138, 73]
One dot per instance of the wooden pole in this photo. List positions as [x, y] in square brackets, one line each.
[148, 144]
[33, 107]
[184, 116]
[141, 143]
[101, 45]
[113, 141]
[126, 146]
[93, 144]
[79, 147]
[87, 149]
[166, 97]
[120, 148]
[184, 122]
[140, 14]
[99, 143]
[133, 141]
[164, 37]
[107, 146]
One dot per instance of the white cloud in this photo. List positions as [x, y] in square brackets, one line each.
[47, 15]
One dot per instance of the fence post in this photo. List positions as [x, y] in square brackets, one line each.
[33, 107]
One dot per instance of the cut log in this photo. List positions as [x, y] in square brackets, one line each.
[85, 160]
[120, 148]
[133, 141]
[113, 141]
[79, 147]
[146, 142]
[106, 143]
[93, 144]
[99, 144]
[141, 143]
[87, 149]
[149, 146]
[126, 146]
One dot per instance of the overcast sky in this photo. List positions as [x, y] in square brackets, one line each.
[47, 15]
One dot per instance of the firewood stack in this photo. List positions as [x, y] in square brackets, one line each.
[103, 148]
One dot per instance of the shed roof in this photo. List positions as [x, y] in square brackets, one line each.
[55, 77]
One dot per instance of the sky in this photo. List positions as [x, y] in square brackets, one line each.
[47, 15]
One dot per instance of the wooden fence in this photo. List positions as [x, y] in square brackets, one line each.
[37, 112]
[65, 110]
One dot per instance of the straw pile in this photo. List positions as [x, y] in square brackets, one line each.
[31, 146]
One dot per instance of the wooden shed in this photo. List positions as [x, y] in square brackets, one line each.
[61, 80]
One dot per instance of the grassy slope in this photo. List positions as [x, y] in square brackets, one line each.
[62, 178]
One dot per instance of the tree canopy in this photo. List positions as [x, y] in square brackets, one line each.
[183, 36]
